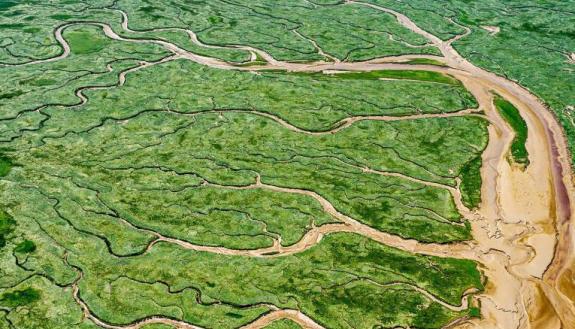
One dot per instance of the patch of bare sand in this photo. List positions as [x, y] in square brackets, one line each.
[493, 30]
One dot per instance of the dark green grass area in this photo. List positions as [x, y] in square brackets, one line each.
[474, 312]
[7, 225]
[5, 165]
[402, 74]
[471, 183]
[5, 4]
[19, 297]
[10, 95]
[25, 247]
[510, 113]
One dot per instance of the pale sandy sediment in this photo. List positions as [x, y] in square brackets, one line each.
[493, 30]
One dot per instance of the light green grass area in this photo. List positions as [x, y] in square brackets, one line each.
[38, 303]
[510, 113]
[308, 101]
[86, 41]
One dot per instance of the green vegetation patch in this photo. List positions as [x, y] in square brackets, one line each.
[471, 183]
[511, 114]
[26, 247]
[86, 41]
[19, 297]
[160, 187]
[61, 17]
[12, 94]
[287, 30]
[5, 4]
[7, 224]
[38, 303]
[425, 61]
[5, 165]
[474, 312]
[428, 76]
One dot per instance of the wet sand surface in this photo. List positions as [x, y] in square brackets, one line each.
[523, 232]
